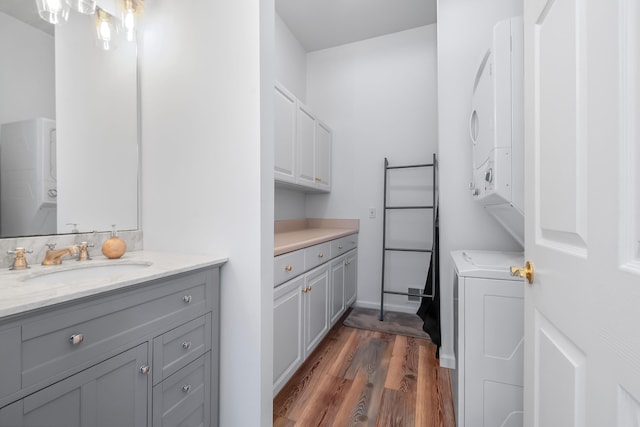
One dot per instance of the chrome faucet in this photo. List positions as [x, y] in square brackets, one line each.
[54, 256]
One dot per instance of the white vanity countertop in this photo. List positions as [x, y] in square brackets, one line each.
[19, 294]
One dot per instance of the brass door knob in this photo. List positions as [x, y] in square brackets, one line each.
[525, 272]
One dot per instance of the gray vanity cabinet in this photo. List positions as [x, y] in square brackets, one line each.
[144, 355]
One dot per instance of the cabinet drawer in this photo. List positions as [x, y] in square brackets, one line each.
[316, 255]
[343, 244]
[180, 346]
[185, 397]
[103, 325]
[288, 266]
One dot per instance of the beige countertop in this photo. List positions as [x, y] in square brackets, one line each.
[36, 287]
[291, 235]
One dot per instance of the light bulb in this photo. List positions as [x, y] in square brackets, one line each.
[129, 24]
[53, 11]
[128, 19]
[105, 30]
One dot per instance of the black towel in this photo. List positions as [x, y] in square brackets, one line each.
[429, 310]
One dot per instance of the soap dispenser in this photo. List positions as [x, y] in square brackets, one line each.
[114, 247]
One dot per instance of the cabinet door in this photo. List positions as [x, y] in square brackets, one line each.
[494, 354]
[285, 135]
[350, 278]
[323, 157]
[306, 146]
[316, 307]
[287, 331]
[112, 393]
[337, 289]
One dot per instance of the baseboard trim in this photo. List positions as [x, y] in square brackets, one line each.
[447, 361]
[389, 307]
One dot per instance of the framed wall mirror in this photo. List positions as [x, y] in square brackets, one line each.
[69, 135]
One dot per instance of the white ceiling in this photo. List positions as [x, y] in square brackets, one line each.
[319, 24]
[27, 12]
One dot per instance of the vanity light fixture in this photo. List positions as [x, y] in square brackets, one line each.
[57, 12]
[53, 11]
[86, 7]
[105, 30]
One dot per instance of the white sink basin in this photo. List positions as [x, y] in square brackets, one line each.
[86, 272]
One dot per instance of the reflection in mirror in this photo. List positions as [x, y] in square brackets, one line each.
[68, 155]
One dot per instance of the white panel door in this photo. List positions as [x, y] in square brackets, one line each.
[316, 307]
[351, 278]
[323, 156]
[287, 331]
[306, 146]
[582, 103]
[285, 135]
[336, 296]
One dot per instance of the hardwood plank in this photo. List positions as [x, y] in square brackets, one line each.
[345, 357]
[377, 369]
[394, 376]
[426, 413]
[322, 404]
[411, 363]
[352, 410]
[396, 410]
[445, 394]
[283, 422]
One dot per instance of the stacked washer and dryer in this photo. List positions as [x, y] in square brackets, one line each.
[488, 301]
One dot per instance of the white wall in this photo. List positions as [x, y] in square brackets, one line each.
[290, 61]
[464, 33]
[289, 204]
[207, 178]
[379, 96]
[27, 72]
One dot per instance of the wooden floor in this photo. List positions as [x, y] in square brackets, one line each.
[365, 378]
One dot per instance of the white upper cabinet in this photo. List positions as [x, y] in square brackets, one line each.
[285, 135]
[323, 156]
[302, 145]
[306, 146]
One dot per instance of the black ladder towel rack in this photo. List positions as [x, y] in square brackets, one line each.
[386, 249]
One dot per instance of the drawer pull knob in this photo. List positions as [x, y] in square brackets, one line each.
[186, 388]
[186, 345]
[320, 255]
[186, 299]
[145, 370]
[339, 246]
[288, 268]
[76, 339]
